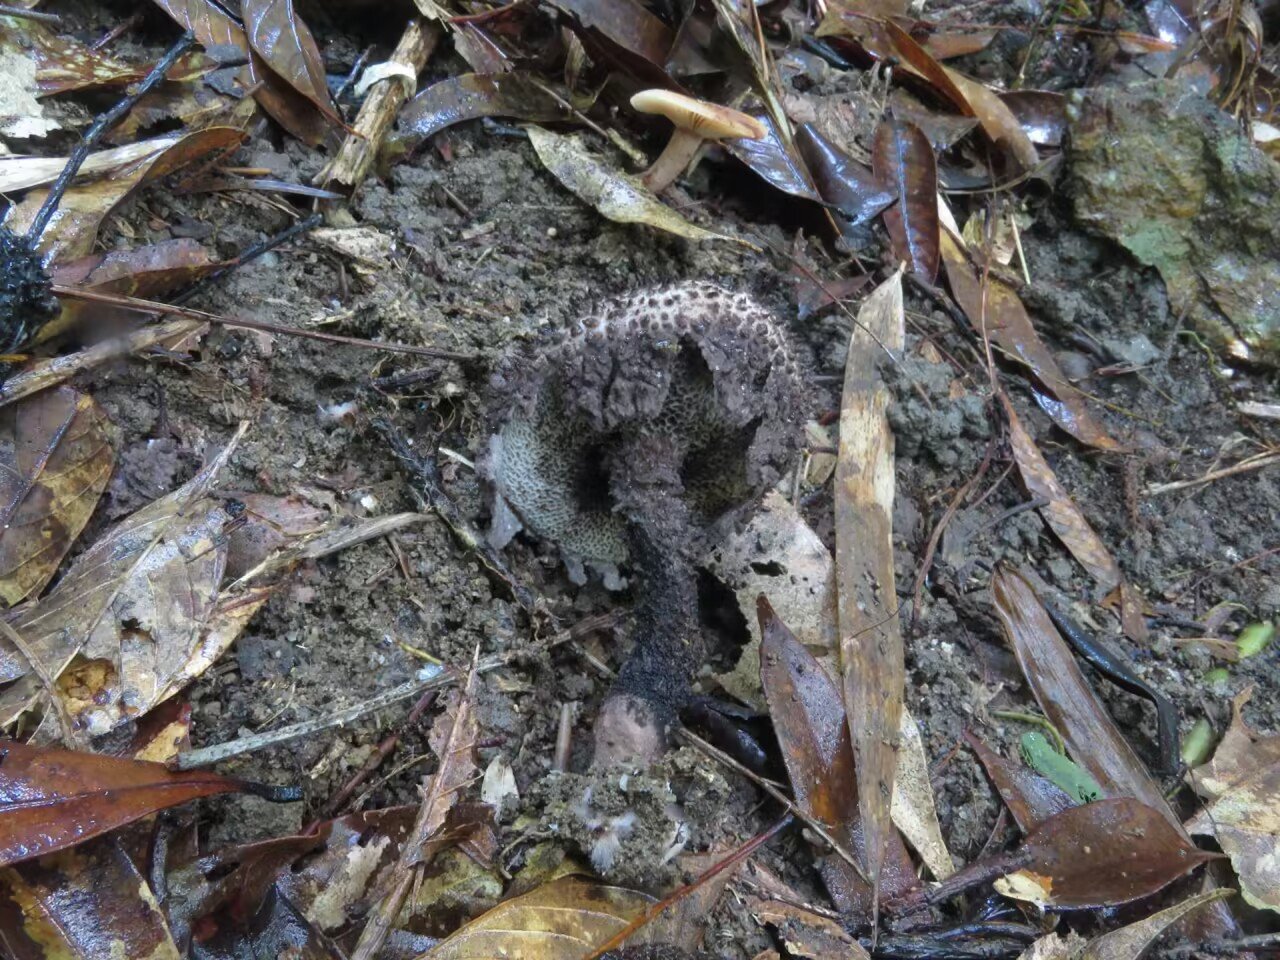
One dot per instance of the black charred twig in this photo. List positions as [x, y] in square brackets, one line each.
[249, 254]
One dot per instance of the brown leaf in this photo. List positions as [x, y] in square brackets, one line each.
[902, 158]
[74, 227]
[82, 904]
[1241, 752]
[52, 799]
[844, 183]
[55, 461]
[64, 64]
[1060, 512]
[627, 24]
[813, 732]
[995, 311]
[871, 651]
[1066, 698]
[468, 96]
[948, 45]
[278, 34]
[1132, 941]
[1031, 798]
[774, 161]
[562, 920]
[1042, 114]
[1107, 853]
[805, 933]
[1101, 854]
[141, 598]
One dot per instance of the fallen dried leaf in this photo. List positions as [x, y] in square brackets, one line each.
[55, 461]
[1241, 752]
[914, 811]
[53, 799]
[1031, 798]
[805, 933]
[902, 158]
[618, 196]
[282, 39]
[21, 114]
[562, 920]
[469, 96]
[1132, 941]
[871, 651]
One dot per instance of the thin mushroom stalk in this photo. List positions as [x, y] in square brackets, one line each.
[696, 121]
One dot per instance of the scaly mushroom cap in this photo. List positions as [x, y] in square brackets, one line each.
[674, 409]
[708, 120]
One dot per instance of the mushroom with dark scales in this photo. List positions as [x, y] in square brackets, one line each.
[635, 441]
[696, 121]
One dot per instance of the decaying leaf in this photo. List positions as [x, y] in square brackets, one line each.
[88, 903]
[871, 651]
[807, 934]
[139, 599]
[996, 312]
[1055, 946]
[616, 195]
[913, 810]
[53, 799]
[1242, 752]
[55, 461]
[1060, 511]
[1096, 855]
[902, 158]
[21, 114]
[74, 226]
[813, 732]
[469, 96]
[561, 920]
[20, 173]
[1031, 798]
[278, 35]
[1131, 942]
[64, 64]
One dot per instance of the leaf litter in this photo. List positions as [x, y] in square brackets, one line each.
[225, 588]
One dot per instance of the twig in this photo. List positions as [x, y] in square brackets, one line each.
[48, 373]
[812, 823]
[564, 739]
[100, 126]
[24, 14]
[354, 159]
[153, 306]
[249, 254]
[1256, 462]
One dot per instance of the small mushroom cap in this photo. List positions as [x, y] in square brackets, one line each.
[708, 120]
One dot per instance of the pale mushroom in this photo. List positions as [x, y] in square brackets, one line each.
[696, 121]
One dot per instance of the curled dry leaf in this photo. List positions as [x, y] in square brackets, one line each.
[805, 933]
[1060, 511]
[74, 227]
[561, 920]
[469, 96]
[53, 799]
[902, 158]
[871, 650]
[55, 461]
[1241, 752]
[618, 196]
[813, 731]
[1132, 941]
[996, 311]
[82, 904]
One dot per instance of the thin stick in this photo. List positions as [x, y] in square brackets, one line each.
[1256, 462]
[249, 254]
[812, 823]
[24, 14]
[153, 306]
[100, 126]
[564, 739]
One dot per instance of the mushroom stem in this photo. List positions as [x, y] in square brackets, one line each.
[680, 151]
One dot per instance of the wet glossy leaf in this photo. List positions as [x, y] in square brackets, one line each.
[627, 24]
[64, 64]
[53, 799]
[618, 196]
[1131, 942]
[1060, 511]
[1042, 113]
[147, 272]
[1066, 698]
[902, 158]
[770, 159]
[811, 725]
[1031, 798]
[83, 904]
[74, 227]
[844, 183]
[871, 649]
[995, 310]
[139, 599]
[279, 35]
[55, 461]
[469, 96]
[562, 920]
[276, 929]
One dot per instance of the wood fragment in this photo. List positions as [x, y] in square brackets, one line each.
[355, 157]
[1256, 462]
